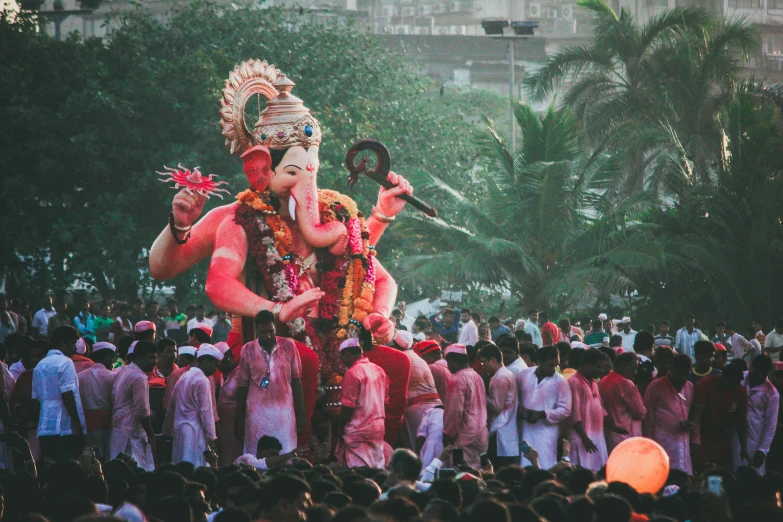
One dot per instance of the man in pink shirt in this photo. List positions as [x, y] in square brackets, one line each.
[364, 398]
[586, 421]
[501, 408]
[431, 353]
[465, 411]
[622, 400]
[422, 394]
[763, 405]
[668, 401]
[270, 399]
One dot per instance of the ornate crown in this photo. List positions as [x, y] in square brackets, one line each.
[284, 123]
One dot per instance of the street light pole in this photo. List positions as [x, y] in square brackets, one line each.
[522, 30]
[511, 88]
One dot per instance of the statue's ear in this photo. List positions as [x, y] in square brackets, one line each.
[257, 163]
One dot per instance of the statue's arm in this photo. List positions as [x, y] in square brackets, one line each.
[225, 287]
[168, 259]
[389, 204]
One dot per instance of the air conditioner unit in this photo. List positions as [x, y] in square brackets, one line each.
[534, 10]
[455, 7]
[567, 12]
[458, 29]
[439, 8]
[402, 29]
[421, 30]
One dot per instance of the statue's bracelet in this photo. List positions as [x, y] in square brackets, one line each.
[380, 216]
[174, 229]
[276, 309]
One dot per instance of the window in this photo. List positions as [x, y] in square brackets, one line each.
[658, 4]
[745, 4]
[774, 4]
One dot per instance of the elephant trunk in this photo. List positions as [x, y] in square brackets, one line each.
[303, 207]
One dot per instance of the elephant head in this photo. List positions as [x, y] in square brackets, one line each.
[292, 175]
[281, 152]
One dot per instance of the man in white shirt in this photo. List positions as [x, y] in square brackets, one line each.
[131, 413]
[189, 417]
[56, 386]
[531, 328]
[469, 334]
[95, 387]
[268, 455]
[687, 336]
[200, 318]
[773, 344]
[741, 348]
[627, 333]
[41, 319]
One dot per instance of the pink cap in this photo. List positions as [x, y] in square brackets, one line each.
[204, 328]
[143, 326]
[455, 348]
[223, 347]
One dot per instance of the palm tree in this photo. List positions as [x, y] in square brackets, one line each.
[642, 90]
[536, 219]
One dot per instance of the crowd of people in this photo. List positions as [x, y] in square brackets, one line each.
[146, 413]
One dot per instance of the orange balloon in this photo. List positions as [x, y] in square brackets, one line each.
[639, 462]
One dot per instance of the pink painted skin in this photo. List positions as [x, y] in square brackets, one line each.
[218, 235]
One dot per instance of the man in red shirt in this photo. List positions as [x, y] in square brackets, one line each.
[397, 367]
[721, 405]
[309, 361]
[550, 333]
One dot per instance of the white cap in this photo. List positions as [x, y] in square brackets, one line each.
[187, 350]
[578, 344]
[626, 319]
[455, 348]
[132, 347]
[403, 339]
[603, 317]
[519, 324]
[349, 343]
[81, 346]
[209, 349]
[615, 321]
[104, 346]
[223, 347]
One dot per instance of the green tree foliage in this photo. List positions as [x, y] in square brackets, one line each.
[85, 125]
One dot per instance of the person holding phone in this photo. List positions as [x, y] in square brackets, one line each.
[270, 398]
[465, 411]
[545, 402]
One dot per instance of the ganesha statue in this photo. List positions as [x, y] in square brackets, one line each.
[306, 255]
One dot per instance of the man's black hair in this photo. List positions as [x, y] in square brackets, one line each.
[490, 351]
[265, 317]
[64, 334]
[143, 348]
[405, 463]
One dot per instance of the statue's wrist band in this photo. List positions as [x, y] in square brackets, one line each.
[380, 216]
[174, 229]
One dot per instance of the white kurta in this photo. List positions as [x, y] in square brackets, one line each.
[763, 404]
[431, 428]
[502, 396]
[422, 394]
[131, 404]
[552, 396]
[189, 418]
[53, 376]
[270, 411]
[95, 387]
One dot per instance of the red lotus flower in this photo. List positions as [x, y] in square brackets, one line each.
[194, 182]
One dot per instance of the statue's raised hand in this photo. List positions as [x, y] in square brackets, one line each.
[388, 203]
[381, 327]
[300, 305]
[187, 208]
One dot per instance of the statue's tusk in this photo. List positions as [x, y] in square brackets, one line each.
[292, 207]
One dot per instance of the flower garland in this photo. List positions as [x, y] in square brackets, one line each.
[348, 280]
